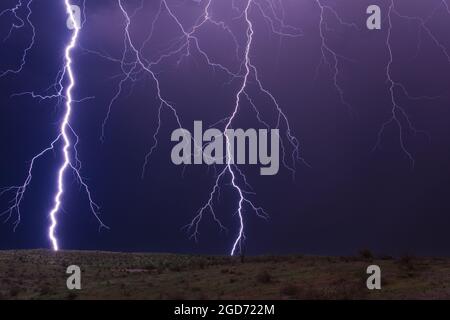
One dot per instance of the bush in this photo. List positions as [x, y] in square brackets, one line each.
[71, 296]
[263, 277]
[366, 254]
[150, 267]
[14, 292]
[201, 264]
[175, 268]
[406, 262]
[45, 290]
[290, 290]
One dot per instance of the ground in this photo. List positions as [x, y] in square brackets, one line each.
[41, 274]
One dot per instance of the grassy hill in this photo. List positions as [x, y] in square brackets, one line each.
[41, 274]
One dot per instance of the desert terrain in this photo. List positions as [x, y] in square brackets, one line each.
[41, 274]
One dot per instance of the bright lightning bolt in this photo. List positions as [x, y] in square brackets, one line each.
[69, 151]
[229, 161]
[250, 33]
[64, 126]
[230, 169]
[184, 47]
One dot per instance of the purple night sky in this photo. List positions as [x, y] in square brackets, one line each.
[392, 197]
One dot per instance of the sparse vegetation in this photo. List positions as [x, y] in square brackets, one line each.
[41, 274]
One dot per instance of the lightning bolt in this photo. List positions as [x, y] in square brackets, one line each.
[64, 127]
[14, 26]
[398, 115]
[329, 56]
[66, 133]
[184, 47]
[247, 73]
[229, 162]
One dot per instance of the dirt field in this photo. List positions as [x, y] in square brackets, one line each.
[41, 274]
